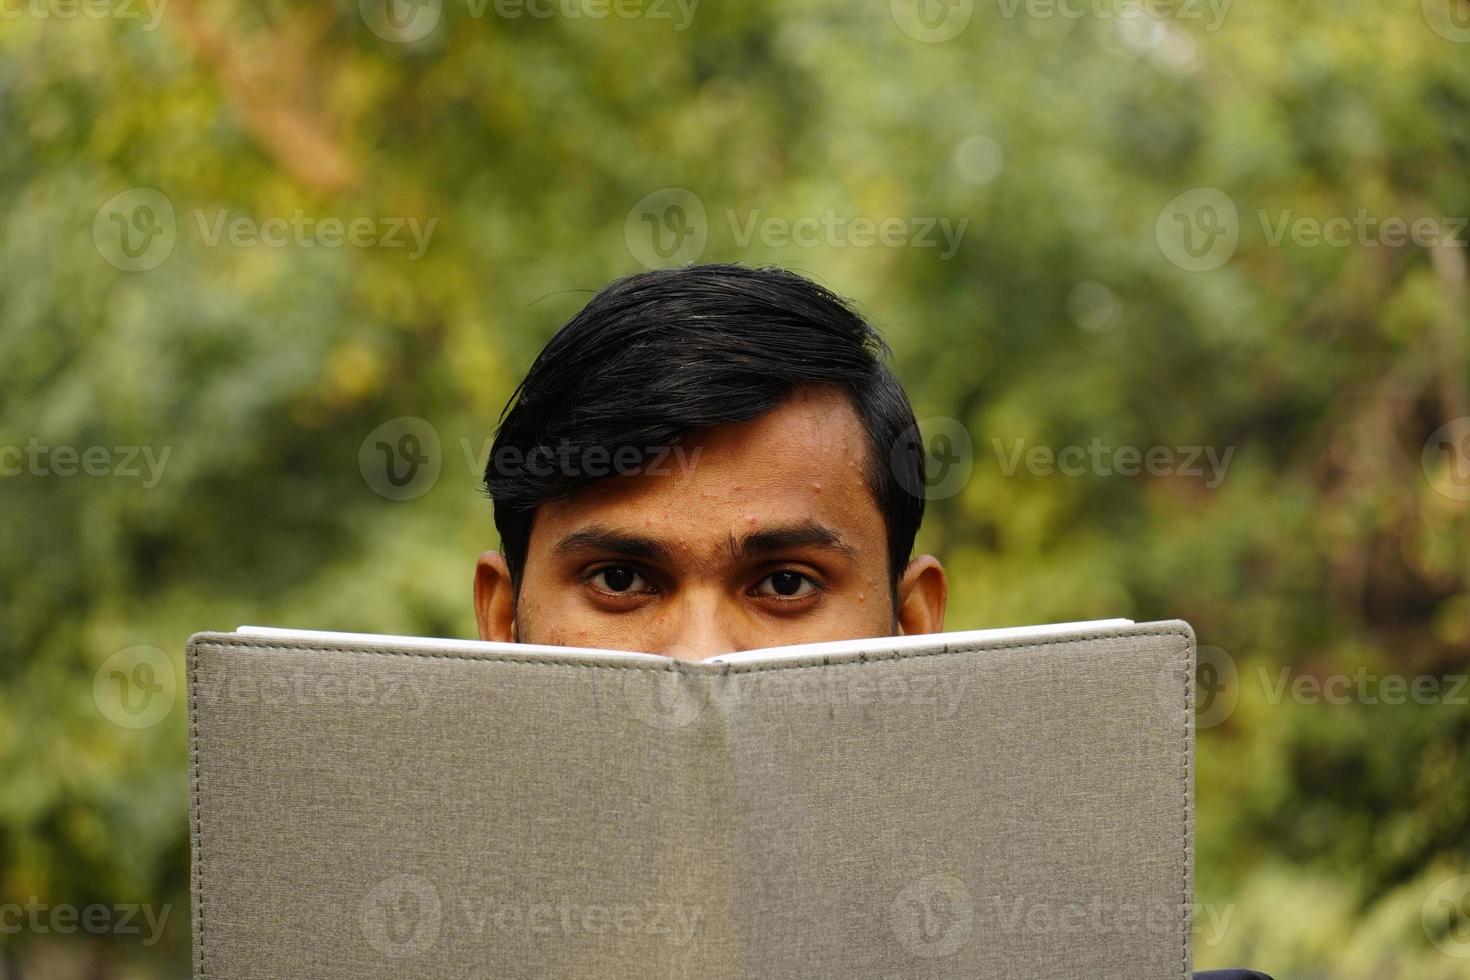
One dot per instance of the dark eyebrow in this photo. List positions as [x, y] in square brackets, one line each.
[770, 539]
[795, 534]
[599, 537]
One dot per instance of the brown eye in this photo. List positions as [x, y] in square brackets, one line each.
[786, 585]
[618, 579]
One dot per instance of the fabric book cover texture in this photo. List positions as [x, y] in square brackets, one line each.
[1018, 807]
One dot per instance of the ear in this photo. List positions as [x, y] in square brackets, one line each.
[922, 593]
[495, 601]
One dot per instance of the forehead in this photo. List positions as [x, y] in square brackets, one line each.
[808, 458]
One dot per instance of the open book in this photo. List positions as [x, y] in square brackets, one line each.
[892, 643]
[997, 803]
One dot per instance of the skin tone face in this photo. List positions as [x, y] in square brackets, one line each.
[767, 536]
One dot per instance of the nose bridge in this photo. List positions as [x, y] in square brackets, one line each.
[702, 626]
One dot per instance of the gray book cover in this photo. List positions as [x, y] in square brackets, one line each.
[958, 805]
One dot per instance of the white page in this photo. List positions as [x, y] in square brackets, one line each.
[890, 643]
[480, 646]
[882, 644]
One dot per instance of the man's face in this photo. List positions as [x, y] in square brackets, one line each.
[763, 533]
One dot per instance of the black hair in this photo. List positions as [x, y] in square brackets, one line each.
[659, 354]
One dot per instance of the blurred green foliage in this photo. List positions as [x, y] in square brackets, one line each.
[1330, 545]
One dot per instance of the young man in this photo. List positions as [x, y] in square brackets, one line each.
[706, 460]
